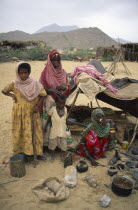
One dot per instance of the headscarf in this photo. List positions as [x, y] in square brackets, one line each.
[53, 77]
[99, 130]
[30, 88]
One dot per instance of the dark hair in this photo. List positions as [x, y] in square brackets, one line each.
[25, 66]
[60, 98]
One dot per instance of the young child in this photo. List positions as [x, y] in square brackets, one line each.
[57, 135]
[27, 94]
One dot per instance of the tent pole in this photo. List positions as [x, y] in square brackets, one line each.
[72, 105]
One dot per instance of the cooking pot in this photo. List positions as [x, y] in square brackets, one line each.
[120, 166]
[135, 174]
[134, 150]
[112, 171]
[82, 166]
[122, 185]
[129, 165]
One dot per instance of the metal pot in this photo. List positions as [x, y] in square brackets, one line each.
[135, 174]
[82, 166]
[129, 165]
[122, 185]
[112, 171]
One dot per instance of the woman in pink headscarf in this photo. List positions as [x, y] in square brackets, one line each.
[55, 81]
[53, 77]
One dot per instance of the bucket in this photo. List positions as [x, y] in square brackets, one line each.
[17, 166]
[125, 145]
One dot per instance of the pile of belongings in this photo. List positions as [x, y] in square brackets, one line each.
[51, 190]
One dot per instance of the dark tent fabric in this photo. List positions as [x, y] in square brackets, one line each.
[97, 64]
[126, 98]
[130, 106]
[123, 82]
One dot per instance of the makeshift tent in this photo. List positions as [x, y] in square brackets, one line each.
[127, 96]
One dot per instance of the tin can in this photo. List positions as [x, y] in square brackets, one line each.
[125, 145]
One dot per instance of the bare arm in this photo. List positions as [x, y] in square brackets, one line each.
[83, 143]
[37, 106]
[10, 95]
[53, 91]
[48, 121]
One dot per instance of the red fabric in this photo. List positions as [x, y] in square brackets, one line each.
[51, 77]
[96, 146]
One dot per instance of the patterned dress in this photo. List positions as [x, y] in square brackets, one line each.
[22, 123]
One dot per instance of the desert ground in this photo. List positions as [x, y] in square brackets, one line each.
[16, 193]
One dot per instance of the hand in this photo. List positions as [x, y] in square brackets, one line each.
[36, 109]
[14, 98]
[56, 92]
[93, 162]
[45, 129]
[62, 88]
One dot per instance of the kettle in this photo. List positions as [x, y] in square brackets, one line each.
[82, 166]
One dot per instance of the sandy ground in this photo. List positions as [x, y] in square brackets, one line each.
[18, 194]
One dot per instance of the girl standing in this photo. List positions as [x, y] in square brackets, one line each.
[27, 94]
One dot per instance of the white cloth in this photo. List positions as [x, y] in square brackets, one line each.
[89, 86]
[58, 128]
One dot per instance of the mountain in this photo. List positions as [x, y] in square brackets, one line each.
[14, 36]
[122, 41]
[83, 38]
[56, 28]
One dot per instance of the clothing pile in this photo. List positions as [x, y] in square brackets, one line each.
[51, 190]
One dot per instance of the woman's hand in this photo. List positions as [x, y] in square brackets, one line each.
[45, 129]
[56, 92]
[62, 88]
[14, 98]
[36, 109]
[93, 162]
[53, 91]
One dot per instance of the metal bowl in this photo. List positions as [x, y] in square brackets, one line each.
[135, 174]
[122, 185]
[129, 165]
[112, 171]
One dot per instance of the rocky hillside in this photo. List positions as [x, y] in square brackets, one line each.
[83, 38]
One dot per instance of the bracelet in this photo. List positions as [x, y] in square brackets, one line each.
[112, 131]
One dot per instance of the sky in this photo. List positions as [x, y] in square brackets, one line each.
[118, 18]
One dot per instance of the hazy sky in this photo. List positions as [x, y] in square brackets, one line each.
[117, 18]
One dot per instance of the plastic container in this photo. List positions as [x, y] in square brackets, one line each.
[105, 201]
[91, 180]
[70, 176]
[125, 145]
